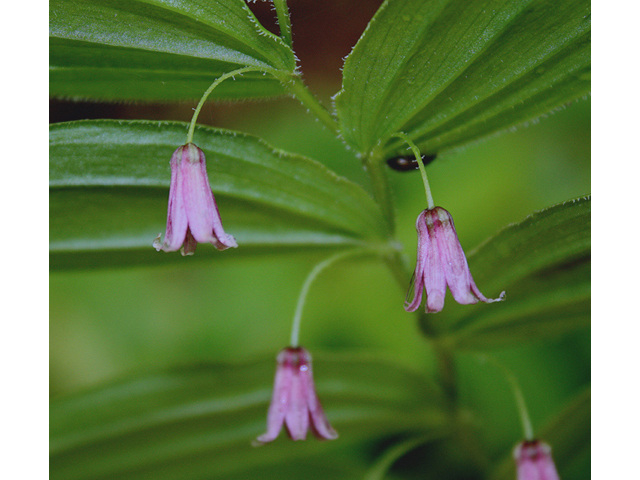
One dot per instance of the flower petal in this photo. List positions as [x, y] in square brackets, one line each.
[280, 400]
[198, 198]
[200, 205]
[452, 258]
[297, 416]
[417, 280]
[224, 240]
[176, 216]
[319, 423]
[435, 277]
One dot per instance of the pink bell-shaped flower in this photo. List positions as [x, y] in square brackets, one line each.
[441, 262]
[193, 215]
[534, 462]
[294, 402]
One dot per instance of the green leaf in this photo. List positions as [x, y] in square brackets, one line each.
[447, 72]
[198, 422]
[568, 434]
[109, 190]
[161, 50]
[544, 265]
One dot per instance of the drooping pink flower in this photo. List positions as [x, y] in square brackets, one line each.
[441, 262]
[534, 461]
[294, 402]
[193, 215]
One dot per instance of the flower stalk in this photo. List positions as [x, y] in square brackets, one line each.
[302, 298]
[423, 171]
[293, 82]
[301, 92]
[523, 412]
[374, 166]
[212, 87]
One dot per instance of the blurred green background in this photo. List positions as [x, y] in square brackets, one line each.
[108, 323]
[105, 322]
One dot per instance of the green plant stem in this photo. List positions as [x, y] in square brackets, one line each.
[402, 273]
[295, 85]
[423, 171]
[527, 427]
[375, 167]
[297, 316]
[301, 92]
[206, 94]
[446, 371]
[444, 355]
[282, 10]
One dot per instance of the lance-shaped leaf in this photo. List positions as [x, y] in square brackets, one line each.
[199, 422]
[446, 72]
[161, 50]
[544, 265]
[109, 185]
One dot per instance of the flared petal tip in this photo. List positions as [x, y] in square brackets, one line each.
[410, 306]
[165, 246]
[332, 435]
[325, 432]
[262, 439]
[320, 426]
[157, 243]
[228, 241]
[500, 298]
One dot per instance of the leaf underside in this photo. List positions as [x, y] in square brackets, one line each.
[109, 189]
[447, 72]
[161, 50]
[191, 422]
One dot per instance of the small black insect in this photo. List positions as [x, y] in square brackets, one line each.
[406, 164]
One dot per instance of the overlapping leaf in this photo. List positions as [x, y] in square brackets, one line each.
[160, 49]
[544, 265]
[447, 72]
[109, 188]
[198, 422]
